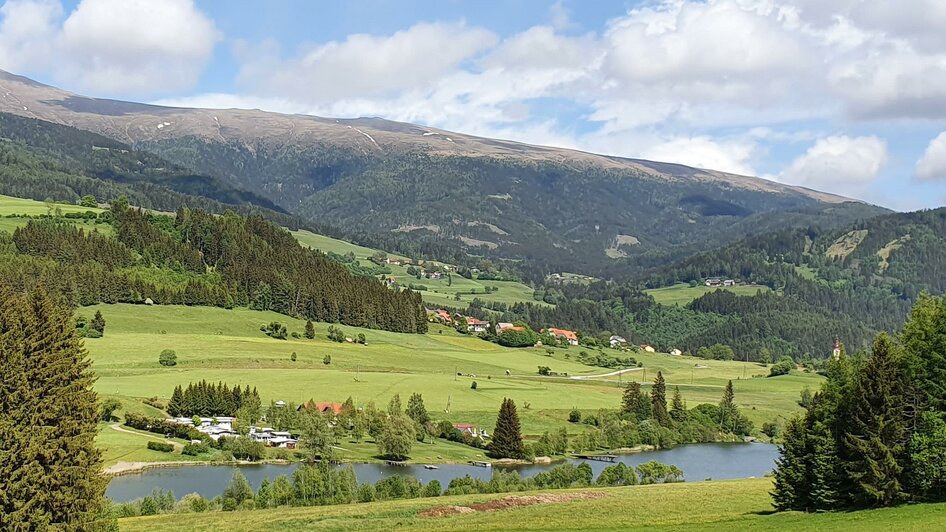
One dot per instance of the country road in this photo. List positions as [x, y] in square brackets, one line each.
[613, 373]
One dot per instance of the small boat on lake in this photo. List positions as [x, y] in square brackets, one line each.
[428, 466]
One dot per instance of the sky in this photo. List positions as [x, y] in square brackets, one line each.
[845, 96]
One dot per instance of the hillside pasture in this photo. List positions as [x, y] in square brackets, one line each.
[682, 293]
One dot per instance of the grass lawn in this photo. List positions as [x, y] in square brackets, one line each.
[700, 506]
[440, 292]
[226, 345]
[681, 294]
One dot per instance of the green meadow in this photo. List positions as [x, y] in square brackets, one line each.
[681, 294]
[29, 208]
[440, 292]
[700, 506]
[216, 344]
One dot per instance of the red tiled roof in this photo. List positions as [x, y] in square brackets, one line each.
[562, 332]
[463, 426]
[335, 408]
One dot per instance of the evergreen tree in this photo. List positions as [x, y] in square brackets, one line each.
[98, 322]
[176, 404]
[50, 471]
[507, 436]
[791, 476]
[309, 330]
[924, 342]
[727, 409]
[635, 403]
[875, 444]
[658, 401]
[678, 409]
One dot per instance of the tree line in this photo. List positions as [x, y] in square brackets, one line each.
[875, 433]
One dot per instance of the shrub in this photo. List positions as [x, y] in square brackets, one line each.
[784, 367]
[574, 416]
[160, 446]
[193, 449]
[327, 360]
[292, 357]
[167, 358]
[274, 330]
[473, 386]
[545, 370]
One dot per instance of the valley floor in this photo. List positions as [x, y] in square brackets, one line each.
[701, 506]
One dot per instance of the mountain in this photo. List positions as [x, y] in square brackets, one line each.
[554, 208]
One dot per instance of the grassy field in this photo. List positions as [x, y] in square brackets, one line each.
[226, 345]
[703, 506]
[439, 292]
[26, 207]
[681, 294]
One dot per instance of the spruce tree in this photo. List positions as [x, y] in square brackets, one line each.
[309, 330]
[875, 442]
[507, 436]
[50, 471]
[658, 401]
[635, 402]
[98, 322]
[176, 404]
[791, 491]
[727, 409]
[394, 406]
[678, 409]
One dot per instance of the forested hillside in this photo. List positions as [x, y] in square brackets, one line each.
[195, 258]
[421, 191]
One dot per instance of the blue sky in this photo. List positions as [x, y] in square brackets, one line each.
[847, 96]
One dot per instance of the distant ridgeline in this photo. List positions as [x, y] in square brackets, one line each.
[196, 258]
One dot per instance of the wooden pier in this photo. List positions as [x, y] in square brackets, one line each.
[597, 457]
[480, 464]
[396, 463]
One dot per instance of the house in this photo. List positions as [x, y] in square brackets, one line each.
[214, 428]
[729, 282]
[273, 438]
[503, 326]
[617, 341]
[471, 430]
[322, 408]
[714, 281]
[676, 352]
[476, 326]
[648, 348]
[561, 334]
[440, 315]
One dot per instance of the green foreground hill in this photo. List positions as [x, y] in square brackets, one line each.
[701, 506]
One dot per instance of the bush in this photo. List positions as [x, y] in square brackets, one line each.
[545, 370]
[293, 357]
[193, 449]
[473, 386]
[574, 416]
[784, 367]
[160, 446]
[274, 330]
[770, 429]
[327, 360]
[167, 358]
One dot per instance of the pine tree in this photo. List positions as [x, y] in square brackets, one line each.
[727, 409]
[309, 330]
[658, 401]
[791, 490]
[678, 409]
[635, 403]
[875, 443]
[98, 322]
[176, 404]
[507, 436]
[50, 471]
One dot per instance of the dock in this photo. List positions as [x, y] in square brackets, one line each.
[597, 457]
[396, 463]
[428, 466]
[480, 464]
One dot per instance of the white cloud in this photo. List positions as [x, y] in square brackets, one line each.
[26, 32]
[839, 164]
[932, 165]
[704, 152]
[365, 65]
[111, 46]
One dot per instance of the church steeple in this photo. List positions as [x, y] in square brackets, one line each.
[837, 348]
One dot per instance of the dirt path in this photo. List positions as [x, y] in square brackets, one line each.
[516, 501]
[613, 373]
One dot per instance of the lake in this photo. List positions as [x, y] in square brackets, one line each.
[717, 461]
